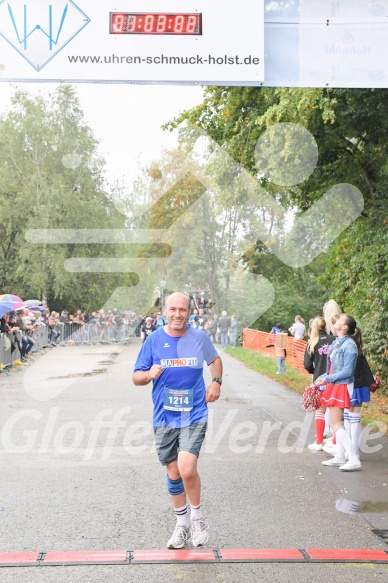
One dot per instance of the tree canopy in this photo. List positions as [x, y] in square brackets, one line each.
[51, 177]
[349, 128]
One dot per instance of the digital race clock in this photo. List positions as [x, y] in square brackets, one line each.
[155, 23]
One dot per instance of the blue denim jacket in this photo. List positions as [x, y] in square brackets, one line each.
[343, 362]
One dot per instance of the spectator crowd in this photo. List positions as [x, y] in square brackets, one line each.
[221, 330]
[19, 328]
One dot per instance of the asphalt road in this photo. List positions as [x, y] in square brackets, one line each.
[79, 472]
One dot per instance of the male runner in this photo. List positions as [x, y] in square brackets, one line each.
[173, 358]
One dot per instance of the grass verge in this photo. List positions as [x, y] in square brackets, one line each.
[374, 411]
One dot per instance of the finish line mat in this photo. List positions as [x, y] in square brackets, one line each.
[137, 557]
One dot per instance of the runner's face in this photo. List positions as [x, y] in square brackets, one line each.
[177, 313]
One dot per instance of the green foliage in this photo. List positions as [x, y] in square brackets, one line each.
[205, 224]
[349, 128]
[51, 177]
[362, 285]
[297, 291]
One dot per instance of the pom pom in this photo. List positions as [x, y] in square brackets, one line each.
[311, 400]
[374, 386]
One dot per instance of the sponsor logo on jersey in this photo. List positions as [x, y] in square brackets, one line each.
[172, 362]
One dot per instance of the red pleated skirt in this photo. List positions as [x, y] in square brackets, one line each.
[337, 395]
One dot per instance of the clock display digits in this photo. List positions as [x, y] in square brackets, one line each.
[155, 23]
[162, 22]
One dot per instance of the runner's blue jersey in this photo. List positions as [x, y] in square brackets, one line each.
[182, 359]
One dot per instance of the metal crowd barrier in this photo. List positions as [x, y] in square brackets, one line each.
[9, 357]
[6, 356]
[41, 338]
[116, 334]
[69, 335]
[92, 333]
[2, 350]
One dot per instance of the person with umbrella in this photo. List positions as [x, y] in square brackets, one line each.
[9, 303]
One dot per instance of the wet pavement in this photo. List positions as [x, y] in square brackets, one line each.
[79, 472]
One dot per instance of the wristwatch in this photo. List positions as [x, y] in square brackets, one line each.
[217, 380]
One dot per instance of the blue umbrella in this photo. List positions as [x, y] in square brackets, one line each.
[8, 303]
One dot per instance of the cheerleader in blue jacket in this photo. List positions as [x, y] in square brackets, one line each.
[339, 381]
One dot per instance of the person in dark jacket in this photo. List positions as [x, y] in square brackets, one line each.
[315, 362]
[147, 329]
[8, 327]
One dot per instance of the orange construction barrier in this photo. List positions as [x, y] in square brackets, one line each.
[263, 342]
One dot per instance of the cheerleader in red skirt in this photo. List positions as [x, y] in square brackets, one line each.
[339, 381]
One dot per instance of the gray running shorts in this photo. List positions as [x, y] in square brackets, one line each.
[169, 441]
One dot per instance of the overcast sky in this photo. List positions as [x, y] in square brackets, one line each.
[125, 118]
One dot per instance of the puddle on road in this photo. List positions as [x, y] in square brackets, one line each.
[353, 507]
[74, 375]
[93, 372]
[100, 354]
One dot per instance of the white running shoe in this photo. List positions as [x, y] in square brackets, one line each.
[351, 466]
[327, 433]
[315, 446]
[334, 462]
[179, 537]
[199, 532]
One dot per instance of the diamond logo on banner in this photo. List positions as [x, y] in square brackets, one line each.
[39, 29]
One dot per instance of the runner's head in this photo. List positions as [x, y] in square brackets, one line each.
[177, 311]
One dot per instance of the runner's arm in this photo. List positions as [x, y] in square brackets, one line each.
[213, 391]
[143, 377]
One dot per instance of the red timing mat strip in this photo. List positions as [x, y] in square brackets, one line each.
[34, 559]
[174, 556]
[16, 559]
[85, 557]
[260, 554]
[347, 555]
